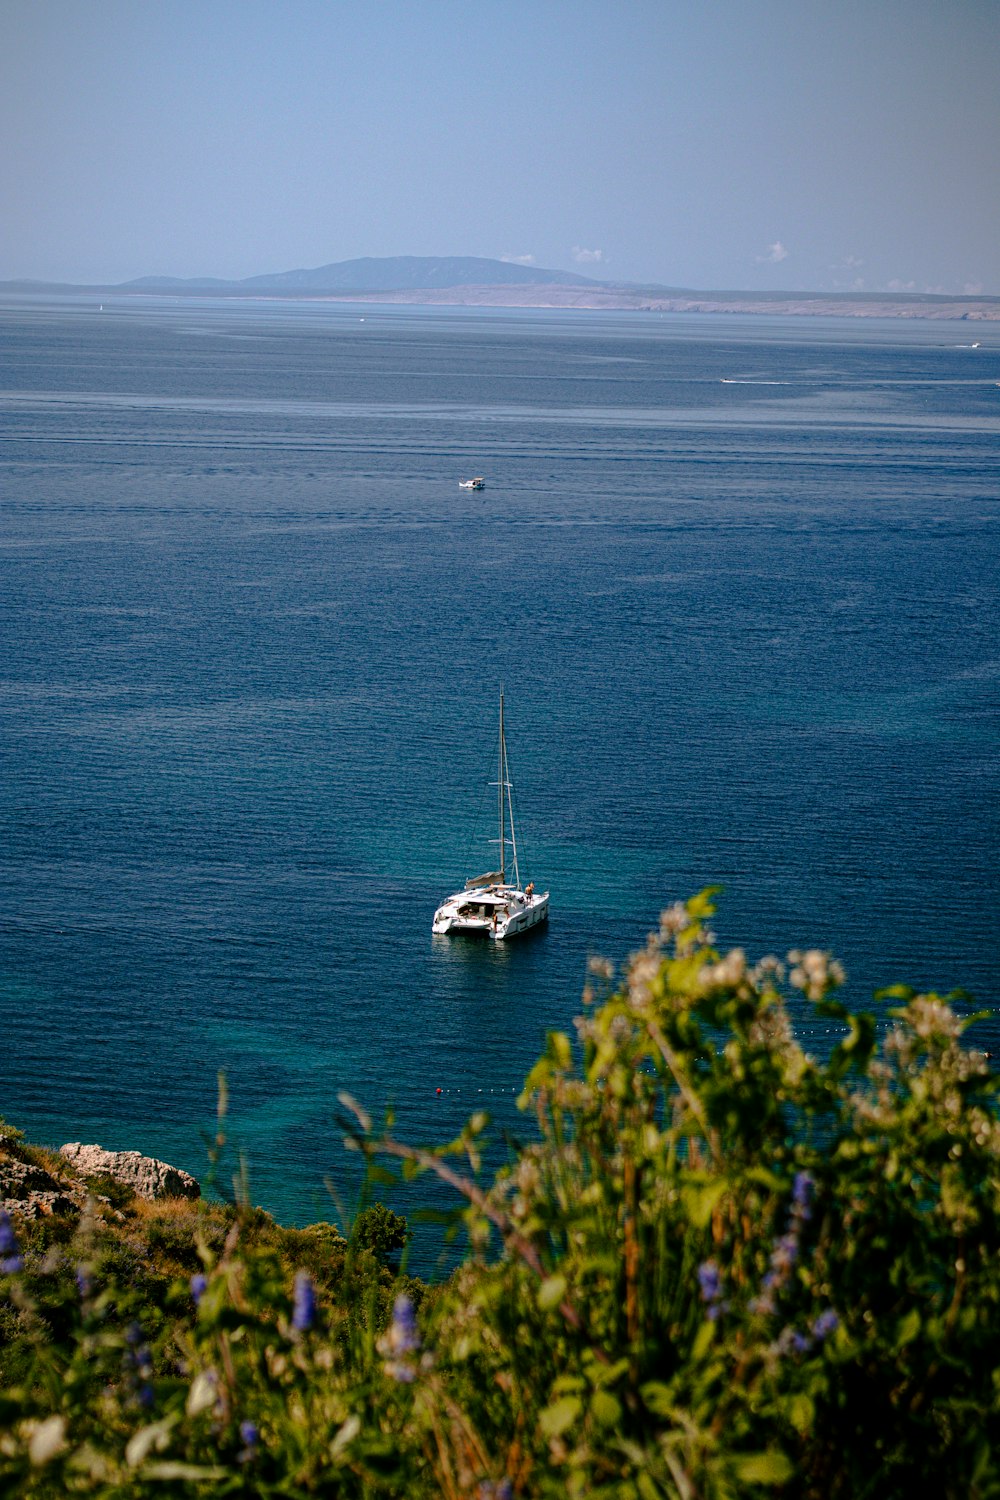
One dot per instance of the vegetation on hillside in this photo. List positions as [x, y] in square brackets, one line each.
[719, 1267]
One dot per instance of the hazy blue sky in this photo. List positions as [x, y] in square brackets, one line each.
[705, 143]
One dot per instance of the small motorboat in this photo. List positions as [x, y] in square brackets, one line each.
[478, 483]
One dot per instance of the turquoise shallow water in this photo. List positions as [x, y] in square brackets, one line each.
[739, 578]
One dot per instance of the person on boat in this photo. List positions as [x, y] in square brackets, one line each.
[529, 889]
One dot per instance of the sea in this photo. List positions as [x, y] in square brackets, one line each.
[737, 578]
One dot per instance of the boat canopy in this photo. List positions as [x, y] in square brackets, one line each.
[496, 878]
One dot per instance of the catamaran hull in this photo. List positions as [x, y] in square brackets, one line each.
[448, 919]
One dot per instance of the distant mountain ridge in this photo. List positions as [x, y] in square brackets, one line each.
[394, 273]
[476, 281]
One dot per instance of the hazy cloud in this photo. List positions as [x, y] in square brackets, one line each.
[775, 254]
[519, 260]
[843, 278]
[973, 288]
[846, 282]
[895, 285]
[586, 257]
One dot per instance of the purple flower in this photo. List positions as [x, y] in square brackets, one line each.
[400, 1340]
[304, 1307]
[11, 1259]
[138, 1366]
[825, 1324]
[251, 1437]
[710, 1285]
[199, 1286]
[791, 1341]
[8, 1239]
[785, 1252]
[764, 1303]
[84, 1285]
[802, 1194]
[708, 1281]
[403, 1333]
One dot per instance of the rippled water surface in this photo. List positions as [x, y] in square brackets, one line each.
[739, 578]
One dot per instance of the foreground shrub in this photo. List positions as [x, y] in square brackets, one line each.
[719, 1267]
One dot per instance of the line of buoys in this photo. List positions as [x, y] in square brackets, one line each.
[478, 1091]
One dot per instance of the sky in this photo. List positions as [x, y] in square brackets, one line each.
[823, 145]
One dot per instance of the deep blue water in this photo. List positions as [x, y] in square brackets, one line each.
[739, 578]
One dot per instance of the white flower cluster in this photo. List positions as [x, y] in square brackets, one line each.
[676, 920]
[767, 971]
[643, 971]
[815, 972]
[673, 920]
[772, 1030]
[728, 974]
[931, 1017]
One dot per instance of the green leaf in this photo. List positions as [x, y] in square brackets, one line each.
[896, 992]
[701, 1198]
[703, 1341]
[658, 1398]
[801, 1412]
[607, 1408]
[560, 1416]
[703, 905]
[683, 974]
[436, 1215]
[568, 1384]
[771, 1467]
[538, 1078]
[766, 1178]
[551, 1292]
[647, 1489]
[908, 1328]
[383, 1176]
[560, 1050]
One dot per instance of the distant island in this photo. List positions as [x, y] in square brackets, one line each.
[475, 281]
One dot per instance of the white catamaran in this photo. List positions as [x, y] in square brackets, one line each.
[490, 904]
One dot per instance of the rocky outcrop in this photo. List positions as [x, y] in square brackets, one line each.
[146, 1176]
[32, 1192]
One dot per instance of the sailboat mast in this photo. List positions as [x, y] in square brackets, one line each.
[501, 778]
